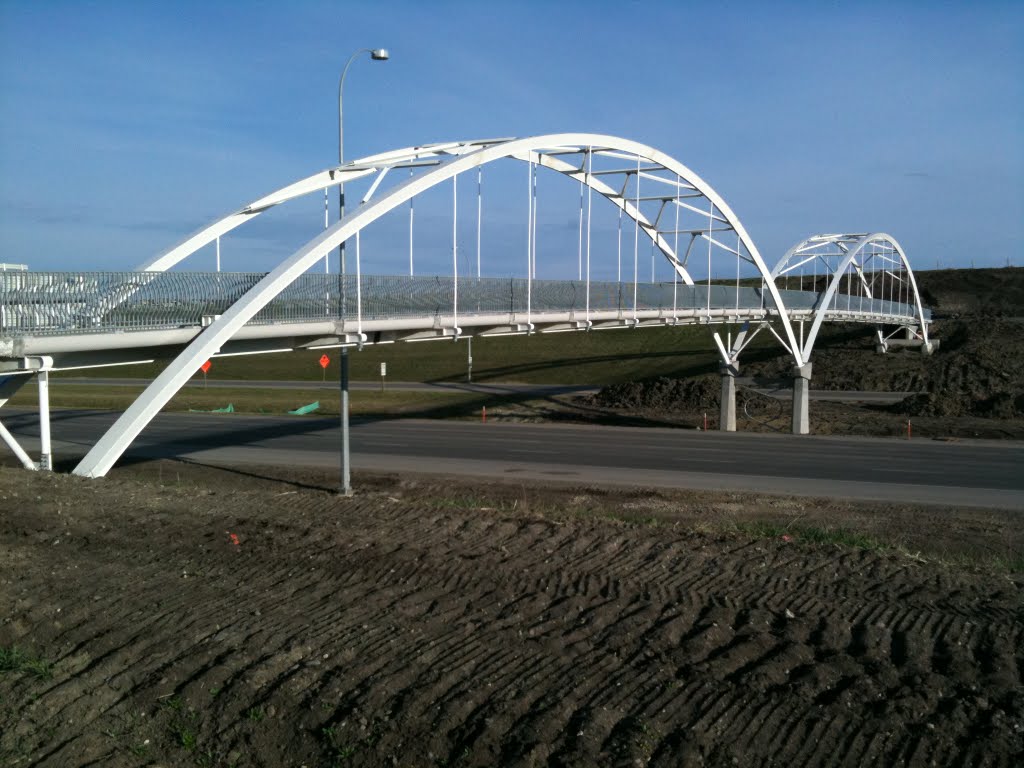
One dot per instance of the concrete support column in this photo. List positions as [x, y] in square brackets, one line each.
[727, 406]
[801, 399]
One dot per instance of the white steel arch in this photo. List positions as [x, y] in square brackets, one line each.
[466, 156]
[433, 154]
[852, 250]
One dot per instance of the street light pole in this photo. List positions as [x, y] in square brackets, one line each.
[377, 54]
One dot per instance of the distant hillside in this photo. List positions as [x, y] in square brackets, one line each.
[993, 292]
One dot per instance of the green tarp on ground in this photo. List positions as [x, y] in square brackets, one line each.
[306, 409]
[229, 408]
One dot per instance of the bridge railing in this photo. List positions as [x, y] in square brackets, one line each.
[41, 303]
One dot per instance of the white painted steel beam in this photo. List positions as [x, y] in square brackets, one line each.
[9, 385]
[109, 448]
[853, 247]
[45, 448]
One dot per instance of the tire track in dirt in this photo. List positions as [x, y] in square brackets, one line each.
[372, 630]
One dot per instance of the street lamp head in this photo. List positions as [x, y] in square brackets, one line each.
[379, 54]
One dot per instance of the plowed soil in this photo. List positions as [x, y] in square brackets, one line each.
[176, 616]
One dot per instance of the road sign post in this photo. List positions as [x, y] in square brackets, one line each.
[383, 374]
[324, 362]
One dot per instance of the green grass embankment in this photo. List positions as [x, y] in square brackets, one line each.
[597, 357]
[370, 404]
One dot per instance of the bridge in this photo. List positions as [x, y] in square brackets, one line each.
[716, 276]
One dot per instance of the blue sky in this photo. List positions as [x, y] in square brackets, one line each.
[126, 125]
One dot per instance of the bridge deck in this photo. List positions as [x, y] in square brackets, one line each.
[55, 312]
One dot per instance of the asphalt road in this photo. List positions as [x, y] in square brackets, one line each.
[539, 390]
[966, 473]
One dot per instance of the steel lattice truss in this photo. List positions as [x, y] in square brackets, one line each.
[857, 275]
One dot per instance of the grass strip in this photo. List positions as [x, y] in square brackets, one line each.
[270, 401]
[603, 357]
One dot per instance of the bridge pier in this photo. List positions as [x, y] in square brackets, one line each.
[801, 399]
[727, 406]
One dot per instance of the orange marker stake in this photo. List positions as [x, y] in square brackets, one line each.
[908, 429]
[483, 415]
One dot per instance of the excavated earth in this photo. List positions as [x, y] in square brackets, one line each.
[176, 615]
[973, 386]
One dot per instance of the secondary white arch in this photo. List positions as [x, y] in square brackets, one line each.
[109, 448]
[852, 245]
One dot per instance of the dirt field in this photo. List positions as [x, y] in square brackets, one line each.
[173, 615]
[973, 386]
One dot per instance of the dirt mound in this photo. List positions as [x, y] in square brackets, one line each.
[982, 292]
[978, 368]
[976, 373]
[699, 393]
[980, 357]
[684, 396]
[239, 622]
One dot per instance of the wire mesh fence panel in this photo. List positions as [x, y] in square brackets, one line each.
[40, 303]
